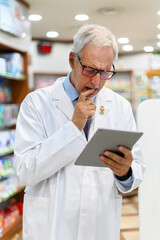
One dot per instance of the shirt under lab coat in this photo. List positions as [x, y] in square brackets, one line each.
[63, 201]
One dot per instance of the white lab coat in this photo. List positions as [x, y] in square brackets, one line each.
[63, 201]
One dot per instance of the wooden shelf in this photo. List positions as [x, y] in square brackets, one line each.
[153, 73]
[12, 230]
[123, 83]
[19, 87]
[13, 77]
[12, 195]
[43, 79]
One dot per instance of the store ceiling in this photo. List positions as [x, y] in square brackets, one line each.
[136, 19]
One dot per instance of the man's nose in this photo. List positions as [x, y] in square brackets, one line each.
[96, 79]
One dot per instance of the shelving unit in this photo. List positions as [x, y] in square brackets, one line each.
[15, 227]
[46, 79]
[19, 86]
[19, 89]
[12, 77]
[154, 83]
[12, 230]
[123, 84]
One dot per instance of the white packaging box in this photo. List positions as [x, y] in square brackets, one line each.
[3, 65]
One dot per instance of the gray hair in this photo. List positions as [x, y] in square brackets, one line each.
[96, 35]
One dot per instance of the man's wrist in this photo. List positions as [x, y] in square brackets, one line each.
[125, 177]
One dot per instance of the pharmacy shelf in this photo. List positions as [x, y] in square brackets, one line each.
[19, 89]
[6, 151]
[14, 228]
[11, 194]
[123, 83]
[7, 173]
[12, 77]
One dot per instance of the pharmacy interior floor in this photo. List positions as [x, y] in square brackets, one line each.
[129, 220]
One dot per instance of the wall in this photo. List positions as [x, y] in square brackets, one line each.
[136, 62]
[55, 62]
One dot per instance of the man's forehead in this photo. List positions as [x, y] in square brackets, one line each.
[93, 55]
[91, 48]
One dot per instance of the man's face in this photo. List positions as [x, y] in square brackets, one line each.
[100, 58]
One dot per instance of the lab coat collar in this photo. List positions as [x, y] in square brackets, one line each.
[103, 99]
[61, 99]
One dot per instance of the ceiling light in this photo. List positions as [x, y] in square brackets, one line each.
[148, 49]
[158, 36]
[158, 12]
[158, 44]
[34, 17]
[123, 40]
[81, 17]
[127, 48]
[52, 34]
[158, 26]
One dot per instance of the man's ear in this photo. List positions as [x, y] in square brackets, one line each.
[71, 59]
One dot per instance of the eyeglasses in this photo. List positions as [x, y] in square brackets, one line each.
[90, 71]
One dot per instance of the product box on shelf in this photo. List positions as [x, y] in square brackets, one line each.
[14, 64]
[8, 114]
[5, 94]
[1, 222]
[6, 166]
[3, 66]
[9, 187]
[9, 215]
[7, 139]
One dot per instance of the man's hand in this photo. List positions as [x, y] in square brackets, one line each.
[119, 165]
[84, 109]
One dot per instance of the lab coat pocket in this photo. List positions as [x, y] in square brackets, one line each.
[35, 218]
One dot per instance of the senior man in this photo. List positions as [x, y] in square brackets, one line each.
[63, 201]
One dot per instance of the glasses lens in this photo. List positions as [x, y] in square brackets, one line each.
[89, 71]
[106, 75]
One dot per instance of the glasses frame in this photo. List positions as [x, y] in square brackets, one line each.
[97, 70]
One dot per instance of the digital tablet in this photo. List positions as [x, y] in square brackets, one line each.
[106, 139]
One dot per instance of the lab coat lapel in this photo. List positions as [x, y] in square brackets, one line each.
[103, 105]
[61, 99]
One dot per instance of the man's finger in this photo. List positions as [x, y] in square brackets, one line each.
[83, 95]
